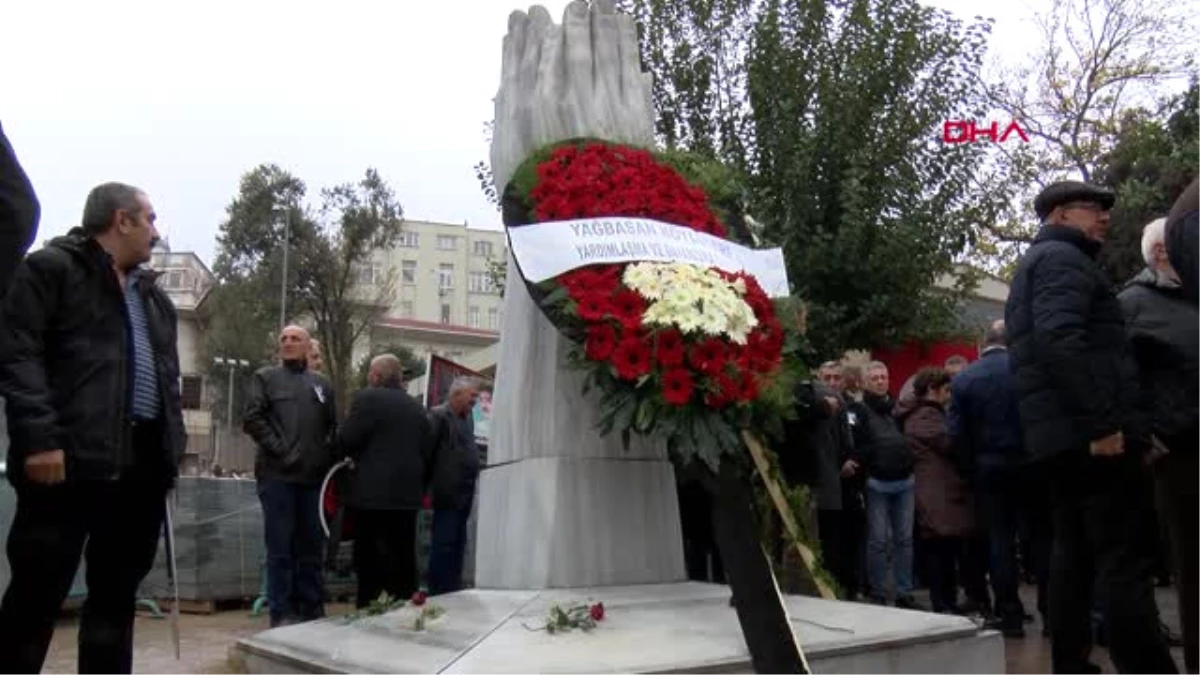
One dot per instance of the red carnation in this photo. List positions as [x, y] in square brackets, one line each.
[418, 598]
[596, 611]
[601, 341]
[677, 386]
[670, 348]
[725, 391]
[708, 356]
[628, 307]
[749, 391]
[593, 306]
[631, 358]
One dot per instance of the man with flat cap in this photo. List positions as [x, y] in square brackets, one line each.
[1077, 386]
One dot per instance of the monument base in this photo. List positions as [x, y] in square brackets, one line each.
[667, 628]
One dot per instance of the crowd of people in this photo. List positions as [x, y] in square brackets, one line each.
[1053, 458]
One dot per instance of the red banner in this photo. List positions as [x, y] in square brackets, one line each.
[440, 374]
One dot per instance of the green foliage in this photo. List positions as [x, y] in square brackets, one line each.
[1153, 160]
[327, 250]
[412, 364]
[833, 114]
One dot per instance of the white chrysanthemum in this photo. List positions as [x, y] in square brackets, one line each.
[692, 298]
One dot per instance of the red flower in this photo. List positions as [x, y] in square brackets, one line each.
[418, 598]
[631, 358]
[725, 391]
[749, 391]
[670, 348]
[677, 386]
[596, 611]
[601, 341]
[628, 307]
[593, 306]
[708, 356]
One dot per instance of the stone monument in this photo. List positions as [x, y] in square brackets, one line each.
[562, 506]
[565, 515]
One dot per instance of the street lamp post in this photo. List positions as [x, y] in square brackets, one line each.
[233, 365]
[287, 227]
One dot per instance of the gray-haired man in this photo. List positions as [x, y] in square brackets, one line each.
[455, 468]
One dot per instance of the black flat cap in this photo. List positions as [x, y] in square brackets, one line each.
[1067, 191]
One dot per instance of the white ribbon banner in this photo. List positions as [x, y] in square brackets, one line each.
[546, 250]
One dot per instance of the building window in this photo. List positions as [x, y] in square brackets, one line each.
[445, 313]
[473, 317]
[483, 248]
[191, 391]
[367, 275]
[482, 282]
[408, 271]
[445, 276]
[406, 308]
[410, 240]
[446, 242]
[493, 319]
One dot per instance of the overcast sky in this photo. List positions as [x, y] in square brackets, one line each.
[182, 98]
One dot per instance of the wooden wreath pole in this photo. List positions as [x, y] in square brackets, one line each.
[785, 513]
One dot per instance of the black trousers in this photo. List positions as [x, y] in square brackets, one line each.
[1179, 506]
[1098, 544]
[115, 526]
[385, 554]
[944, 558]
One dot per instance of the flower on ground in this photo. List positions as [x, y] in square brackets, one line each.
[597, 611]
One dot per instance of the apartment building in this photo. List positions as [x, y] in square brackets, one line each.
[445, 301]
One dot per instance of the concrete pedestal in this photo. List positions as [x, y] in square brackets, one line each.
[662, 628]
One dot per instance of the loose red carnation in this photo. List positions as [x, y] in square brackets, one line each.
[631, 358]
[670, 348]
[596, 611]
[418, 598]
[601, 341]
[677, 386]
[708, 356]
[628, 307]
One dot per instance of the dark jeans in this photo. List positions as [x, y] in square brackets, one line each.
[1000, 494]
[385, 554]
[1179, 504]
[448, 547]
[295, 586]
[944, 559]
[700, 555]
[841, 534]
[1097, 540]
[890, 513]
[115, 526]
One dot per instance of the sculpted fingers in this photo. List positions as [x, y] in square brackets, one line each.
[514, 46]
[606, 38]
[628, 48]
[577, 44]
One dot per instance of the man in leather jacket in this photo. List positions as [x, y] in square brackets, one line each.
[90, 374]
[19, 211]
[290, 414]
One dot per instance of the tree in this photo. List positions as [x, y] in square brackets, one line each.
[331, 280]
[1097, 61]
[414, 366]
[834, 113]
[1153, 160]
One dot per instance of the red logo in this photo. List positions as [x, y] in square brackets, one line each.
[966, 131]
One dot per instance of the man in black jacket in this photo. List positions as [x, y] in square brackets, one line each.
[1164, 329]
[1182, 237]
[387, 434]
[19, 211]
[1077, 384]
[883, 453]
[90, 373]
[290, 414]
[986, 431]
[454, 471]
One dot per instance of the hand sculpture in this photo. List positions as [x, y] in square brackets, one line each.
[582, 78]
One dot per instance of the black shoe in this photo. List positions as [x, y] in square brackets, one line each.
[909, 602]
[1008, 629]
[1046, 631]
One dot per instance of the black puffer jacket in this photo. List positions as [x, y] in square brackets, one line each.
[65, 365]
[1183, 238]
[879, 444]
[291, 415]
[1075, 374]
[1164, 328]
[455, 464]
[19, 212]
